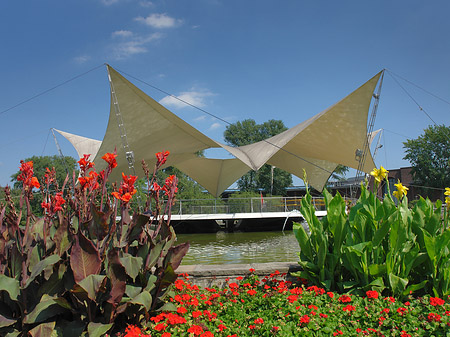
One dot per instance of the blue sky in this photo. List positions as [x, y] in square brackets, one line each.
[237, 59]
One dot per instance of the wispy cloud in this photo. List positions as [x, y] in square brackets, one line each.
[146, 4]
[195, 98]
[109, 2]
[81, 59]
[200, 118]
[214, 126]
[122, 33]
[128, 43]
[159, 21]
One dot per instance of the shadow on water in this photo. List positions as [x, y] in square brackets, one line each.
[240, 247]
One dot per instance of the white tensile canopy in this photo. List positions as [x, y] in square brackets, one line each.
[315, 146]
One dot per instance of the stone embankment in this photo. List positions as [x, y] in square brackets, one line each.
[220, 274]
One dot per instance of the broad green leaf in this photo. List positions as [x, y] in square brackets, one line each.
[44, 330]
[144, 299]
[414, 287]
[377, 269]
[303, 240]
[430, 245]
[398, 284]
[98, 329]
[4, 321]
[13, 333]
[381, 233]
[360, 247]
[151, 283]
[168, 307]
[132, 290]
[132, 264]
[10, 285]
[46, 308]
[39, 268]
[91, 285]
[84, 258]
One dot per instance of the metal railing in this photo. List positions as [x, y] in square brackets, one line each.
[243, 205]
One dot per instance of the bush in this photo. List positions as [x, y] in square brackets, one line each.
[87, 267]
[377, 245]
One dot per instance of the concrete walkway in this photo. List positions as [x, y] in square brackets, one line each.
[219, 274]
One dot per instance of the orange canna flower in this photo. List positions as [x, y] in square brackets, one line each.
[110, 158]
[161, 157]
[26, 175]
[126, 190]
[85, 164]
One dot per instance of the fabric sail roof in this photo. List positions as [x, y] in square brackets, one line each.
[315, 146]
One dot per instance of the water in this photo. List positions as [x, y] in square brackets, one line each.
[242, 247]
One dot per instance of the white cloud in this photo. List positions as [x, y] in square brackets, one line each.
[109, 2]
[159, 21]
[195, 98]
[200, 118]
[214, 126]
[146, 4]
[122, 34]
[82, 59]
[134, 45]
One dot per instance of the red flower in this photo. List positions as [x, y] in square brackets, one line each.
[432, 317]
[207, 334]
[160, 327]
[181, 310]
[251, 292]
[372, 294]
[338, 332]
[196, 330]
[305, 319]
[161, 157]
[170, 185]
[330, 294]
[110, 158]
[344, 299]
[54, 205]
[404, 334]
[26, 175]
[251, 270]
[402, 310]
[259, 321]
[348, 308]
[221, 327]
[126, 190]
[166, 334]
[85, 164]
[292, 298]
[133, 331]
[434, 301]
[89, 182]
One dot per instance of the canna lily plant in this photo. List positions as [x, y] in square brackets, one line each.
[87, 267]
[377, 245]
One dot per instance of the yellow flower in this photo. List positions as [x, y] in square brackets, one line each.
[379, 174]
[401, 190]
[447, 191]
[447, 201]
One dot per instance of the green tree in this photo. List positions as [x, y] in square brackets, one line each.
[40, 163]
[270, 179]
[429, 156]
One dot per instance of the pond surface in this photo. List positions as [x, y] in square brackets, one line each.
[241, 247]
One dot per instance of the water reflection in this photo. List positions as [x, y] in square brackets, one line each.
[244, 247]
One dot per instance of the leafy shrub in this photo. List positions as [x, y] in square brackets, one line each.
[377, 245]
[87, 267]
